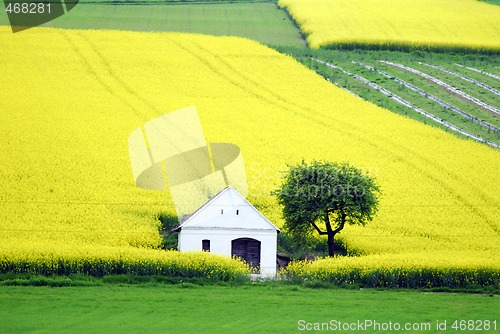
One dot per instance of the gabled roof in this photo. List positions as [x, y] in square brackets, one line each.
[227, 210]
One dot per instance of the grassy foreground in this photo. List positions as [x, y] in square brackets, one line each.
[187, 308]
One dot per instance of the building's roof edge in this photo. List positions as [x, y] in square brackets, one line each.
[195, 213]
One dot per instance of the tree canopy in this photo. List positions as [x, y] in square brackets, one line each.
[324, 197]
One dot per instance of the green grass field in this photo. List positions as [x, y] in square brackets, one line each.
[263, 22]
[214, 309]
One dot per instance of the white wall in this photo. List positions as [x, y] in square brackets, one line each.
[190, 239]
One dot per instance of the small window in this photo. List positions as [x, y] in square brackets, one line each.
[237, 212]
[205, 245]
[221, 211]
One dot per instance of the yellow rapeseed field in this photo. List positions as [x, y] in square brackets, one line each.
[399, 24]
[70, 99]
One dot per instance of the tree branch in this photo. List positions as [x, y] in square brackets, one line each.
[317, 229]
[327, 223]
[343, 217]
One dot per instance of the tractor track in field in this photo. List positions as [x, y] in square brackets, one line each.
[445, 86]
[433, 98]
[102, 71]
[107, 79]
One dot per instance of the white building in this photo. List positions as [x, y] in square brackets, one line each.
[229, 225]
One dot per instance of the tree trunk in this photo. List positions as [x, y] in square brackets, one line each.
[331, 236]
[331, 232]
[331, 251]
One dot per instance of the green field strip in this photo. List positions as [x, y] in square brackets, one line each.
[446, 86]
[465, 78]
[483, 72]
[404, 102]
[454, 118]
[474, 75]
[263, 22]
[469, 88]
[429, 106]
[493, 2]
[345, 58]
[374, 96]
[364, 92]
[412, 97]
[171, 2]
[432, 99]
[439, 92]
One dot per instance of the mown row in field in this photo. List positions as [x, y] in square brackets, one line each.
[455, 98]
[401, 25]
[69, 108]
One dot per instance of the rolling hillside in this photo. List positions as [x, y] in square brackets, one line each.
[69, 107]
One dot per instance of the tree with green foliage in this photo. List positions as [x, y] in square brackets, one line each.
[326, 195]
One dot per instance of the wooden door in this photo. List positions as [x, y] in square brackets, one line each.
[247, 249]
